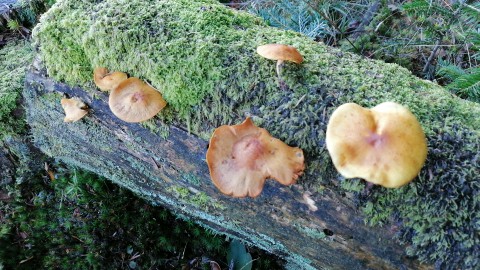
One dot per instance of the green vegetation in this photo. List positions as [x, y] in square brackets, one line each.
[15, 59]
[430, 38]
[26, 12]
[225, 73]
[437, 215]
[81, 221]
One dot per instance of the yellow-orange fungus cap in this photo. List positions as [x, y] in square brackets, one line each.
[280, 52]
[74, 109]
[241, 157]
[384, 145]
[106, 80]
[133, 101]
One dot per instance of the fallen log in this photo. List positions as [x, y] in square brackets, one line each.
[201, 56]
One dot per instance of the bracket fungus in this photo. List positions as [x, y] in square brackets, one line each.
[133, 100]
[384, 145]
[74, 109]
[106, 80]
[241, 157]
[281, 53]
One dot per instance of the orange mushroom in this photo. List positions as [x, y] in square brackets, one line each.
[106, 80]
[241, 157]
[134, 101]
[384, 145]
[281, 53]
[74, 109]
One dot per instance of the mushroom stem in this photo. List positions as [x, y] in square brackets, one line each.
[279, 67]
[281, 82]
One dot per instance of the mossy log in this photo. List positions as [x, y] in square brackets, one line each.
[321, 230]
[201, 56]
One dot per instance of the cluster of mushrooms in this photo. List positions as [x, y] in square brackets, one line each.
[131, 99]
[384, 145]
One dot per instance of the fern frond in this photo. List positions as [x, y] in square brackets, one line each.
[467, 85]
[295, 15]
[472, 10]
[449, 71]
[426, 8]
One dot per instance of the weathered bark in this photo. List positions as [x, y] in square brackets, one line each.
[333, 235]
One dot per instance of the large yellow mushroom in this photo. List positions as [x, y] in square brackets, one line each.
[384, 145]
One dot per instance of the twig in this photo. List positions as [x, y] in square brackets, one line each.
[366, 19]
[432, 54]
[26, 260]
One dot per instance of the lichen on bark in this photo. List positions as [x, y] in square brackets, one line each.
[201, 56]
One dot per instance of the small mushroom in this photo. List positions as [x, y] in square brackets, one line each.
[106, 80]
[384, 145]
[74, 108]
[241, 157]
[281, 53]
[134, 101]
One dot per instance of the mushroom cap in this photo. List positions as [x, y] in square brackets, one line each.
[241, 157]
[280, 52]
[106, 80]
[74, 109]
[134, 101]
[384, 145]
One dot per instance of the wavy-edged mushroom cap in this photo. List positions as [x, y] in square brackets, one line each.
[241, 157]
[134, 101]
[384, 145]
[106, 80]
[280, 52]
[74, 109]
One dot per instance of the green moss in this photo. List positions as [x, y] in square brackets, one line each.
[156, 127]
[195, 197]
[313, 233]
[82, 221]
[201, 56]
[15, 58]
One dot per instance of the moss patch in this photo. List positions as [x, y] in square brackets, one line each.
[201, 56]
[195, 197]
[15, 58]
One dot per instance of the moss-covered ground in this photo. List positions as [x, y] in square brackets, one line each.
[15, 59]
[201, 56]
[77, 220]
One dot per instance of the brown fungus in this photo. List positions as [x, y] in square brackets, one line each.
[241, 157]
[280, 53]
[106, 80]
[74, 109]
[134, 101]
